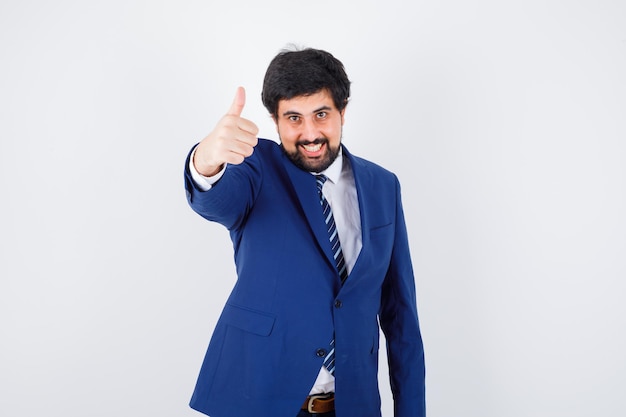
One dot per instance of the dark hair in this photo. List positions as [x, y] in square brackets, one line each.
[294, 73]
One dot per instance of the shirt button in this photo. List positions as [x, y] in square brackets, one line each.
[321, 353]
[338, 303]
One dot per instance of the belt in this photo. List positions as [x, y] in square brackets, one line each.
[320, 403]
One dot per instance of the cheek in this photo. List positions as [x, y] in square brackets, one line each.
[287, 138]
[334, 134]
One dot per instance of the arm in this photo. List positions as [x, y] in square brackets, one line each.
[399, 321]
[232, 141]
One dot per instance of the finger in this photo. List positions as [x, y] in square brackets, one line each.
[248, 126]
[238, 102]
[246, 138]
[242, 149]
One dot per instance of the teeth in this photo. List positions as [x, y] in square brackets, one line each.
[313, 148]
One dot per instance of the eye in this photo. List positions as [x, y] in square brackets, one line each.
[322, 115]
[294, 118]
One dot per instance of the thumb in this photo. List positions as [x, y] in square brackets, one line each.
[238, 102]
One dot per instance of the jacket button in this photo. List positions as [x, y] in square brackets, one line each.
[321, 353]
[338, 303]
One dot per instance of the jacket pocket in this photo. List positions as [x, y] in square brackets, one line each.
[251, 321]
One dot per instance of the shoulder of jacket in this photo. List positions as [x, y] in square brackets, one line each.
[361, 164]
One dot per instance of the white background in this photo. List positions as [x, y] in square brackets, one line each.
[505, 122]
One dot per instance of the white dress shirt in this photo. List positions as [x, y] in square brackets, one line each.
[340, 191]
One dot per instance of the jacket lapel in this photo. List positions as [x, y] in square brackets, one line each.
[365, 193]
[305, 189]
[363, 183]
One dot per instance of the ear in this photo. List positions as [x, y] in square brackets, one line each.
[342, 113]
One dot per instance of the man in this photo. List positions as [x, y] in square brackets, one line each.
[321, 260]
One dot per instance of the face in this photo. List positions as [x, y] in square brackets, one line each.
[309, 128]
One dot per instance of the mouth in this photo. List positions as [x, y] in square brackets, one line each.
[313, 149]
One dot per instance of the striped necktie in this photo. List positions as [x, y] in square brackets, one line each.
[332, 230]
[329, 360]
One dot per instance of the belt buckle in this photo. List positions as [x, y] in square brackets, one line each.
[309, 406]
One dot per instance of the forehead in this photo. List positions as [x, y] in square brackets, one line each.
[307, 103]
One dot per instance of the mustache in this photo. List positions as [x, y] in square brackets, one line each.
[312, 142]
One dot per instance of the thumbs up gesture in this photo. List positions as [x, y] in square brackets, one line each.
[232, 140]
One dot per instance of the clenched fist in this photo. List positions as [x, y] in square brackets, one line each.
[232, 140]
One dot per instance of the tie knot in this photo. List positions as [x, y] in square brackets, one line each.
[320, 180]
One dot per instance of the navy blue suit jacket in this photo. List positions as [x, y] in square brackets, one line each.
[287, 303]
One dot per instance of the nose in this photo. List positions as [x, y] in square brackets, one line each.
[310, 130]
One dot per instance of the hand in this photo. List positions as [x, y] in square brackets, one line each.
[232, 140]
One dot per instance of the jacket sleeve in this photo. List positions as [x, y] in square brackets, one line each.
[230, 199]
[399, 322]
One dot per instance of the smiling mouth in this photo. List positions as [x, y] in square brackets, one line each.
[312, 148]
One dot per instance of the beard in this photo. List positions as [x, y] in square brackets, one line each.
[312, 165]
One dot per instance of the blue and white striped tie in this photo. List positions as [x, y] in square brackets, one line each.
[332, 230]
[329, 360]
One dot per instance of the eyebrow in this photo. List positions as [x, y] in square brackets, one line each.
[293, 112]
